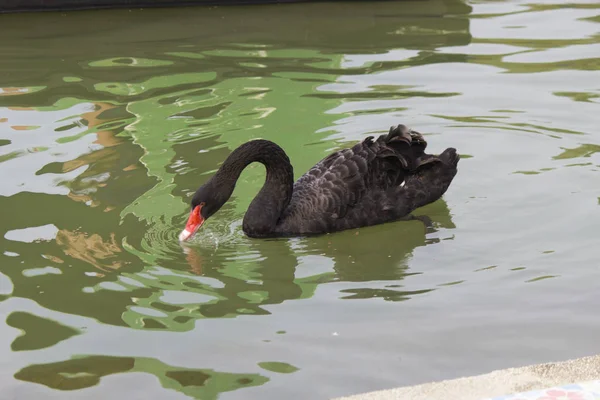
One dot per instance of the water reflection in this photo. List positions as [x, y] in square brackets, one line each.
[115, 244]
[85, 371]
[230, 283]
[37, 332]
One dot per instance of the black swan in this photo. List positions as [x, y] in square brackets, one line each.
[374, 182]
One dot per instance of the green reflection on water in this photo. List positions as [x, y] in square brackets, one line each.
[135, 117]
[86, 371]
[38, 332]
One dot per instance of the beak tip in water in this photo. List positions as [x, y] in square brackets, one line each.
[184, 235]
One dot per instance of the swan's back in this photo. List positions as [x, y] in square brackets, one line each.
[373, 182]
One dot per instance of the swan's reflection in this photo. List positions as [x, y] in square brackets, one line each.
[367, 255]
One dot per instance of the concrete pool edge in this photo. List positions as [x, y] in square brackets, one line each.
[497, 383]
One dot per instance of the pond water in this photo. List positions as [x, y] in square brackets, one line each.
[110, 120]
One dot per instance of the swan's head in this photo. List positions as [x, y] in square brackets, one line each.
[207, 200]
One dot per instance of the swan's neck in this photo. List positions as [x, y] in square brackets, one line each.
[268, 205]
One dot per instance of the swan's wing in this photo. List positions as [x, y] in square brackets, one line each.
[339, 182]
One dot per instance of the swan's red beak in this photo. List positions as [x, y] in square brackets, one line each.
[194, 223]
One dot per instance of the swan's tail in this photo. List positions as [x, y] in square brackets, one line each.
[426, 176]
[433, 176]
[450, 157]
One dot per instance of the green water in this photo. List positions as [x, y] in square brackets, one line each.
[110, 120]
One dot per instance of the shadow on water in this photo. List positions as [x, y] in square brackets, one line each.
[112, 119]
